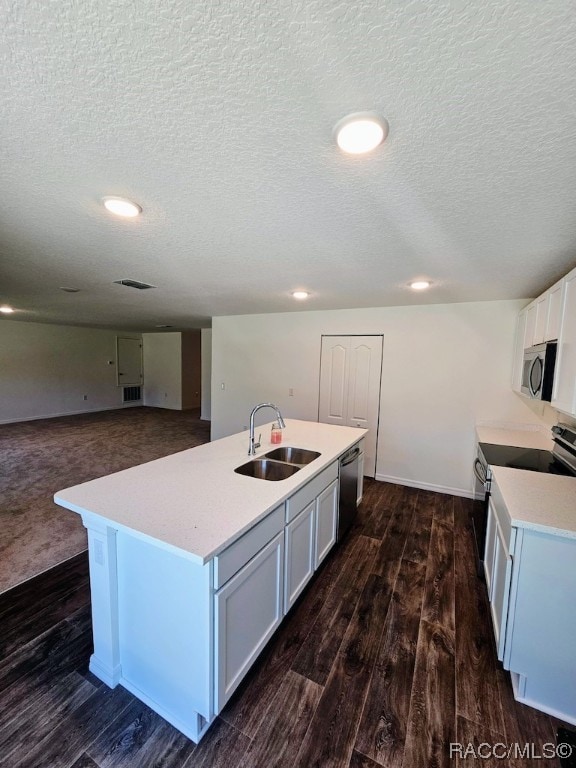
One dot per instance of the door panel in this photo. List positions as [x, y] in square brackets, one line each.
[129, 368]
[350, 376]
[361, 360]
[334, 394]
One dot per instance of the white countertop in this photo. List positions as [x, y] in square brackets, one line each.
[538, 501]
[193, 500]
[521, 438]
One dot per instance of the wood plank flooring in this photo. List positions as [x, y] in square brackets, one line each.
[386, 659]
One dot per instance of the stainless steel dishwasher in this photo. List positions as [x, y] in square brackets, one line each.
[348, 474]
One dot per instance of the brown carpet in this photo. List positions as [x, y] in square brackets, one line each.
[38, 458]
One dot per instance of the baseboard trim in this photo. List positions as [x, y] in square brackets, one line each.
[71, 413]
[467, 494]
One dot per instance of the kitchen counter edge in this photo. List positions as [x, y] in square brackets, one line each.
[134, 499]
[537, 501]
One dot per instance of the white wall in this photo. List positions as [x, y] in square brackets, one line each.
[445, 368]
[162, 355]
[45, 370]
[206, 407]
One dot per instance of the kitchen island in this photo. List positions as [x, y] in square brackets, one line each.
[193, 566]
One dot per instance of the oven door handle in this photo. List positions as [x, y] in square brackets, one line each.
[480, 476]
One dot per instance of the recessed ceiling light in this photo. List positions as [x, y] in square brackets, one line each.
[6, 310]
[360, 132]
[121, 207]
[420, 285]
[300, 294]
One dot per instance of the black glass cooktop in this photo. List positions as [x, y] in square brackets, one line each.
[532, 459]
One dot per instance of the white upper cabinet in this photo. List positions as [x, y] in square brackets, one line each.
[564, 394]
[531, 313]
[549, 317]
[554, 311]
[547, 314]
[542, 321]
[541, 306]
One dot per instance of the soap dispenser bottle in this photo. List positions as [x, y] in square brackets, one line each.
[276, 434]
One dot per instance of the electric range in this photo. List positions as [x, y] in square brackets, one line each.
[561, 460]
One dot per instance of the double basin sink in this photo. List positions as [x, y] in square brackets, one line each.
[278, 464]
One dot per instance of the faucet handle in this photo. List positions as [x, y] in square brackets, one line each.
[258, 444]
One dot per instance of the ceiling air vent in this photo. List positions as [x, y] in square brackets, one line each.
[134, 284]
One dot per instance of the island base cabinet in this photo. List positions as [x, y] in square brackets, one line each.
[247, 611]
[540, 638]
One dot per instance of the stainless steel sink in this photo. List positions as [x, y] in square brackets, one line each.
[265, 469]
[292, 455]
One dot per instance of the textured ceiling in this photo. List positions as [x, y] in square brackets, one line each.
[217, 119]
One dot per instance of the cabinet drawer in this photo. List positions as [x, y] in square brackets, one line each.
[238, 554]
[300, 500]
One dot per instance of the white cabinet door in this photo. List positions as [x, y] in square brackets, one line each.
[564, 395]
[530, 329]
[299, 554]
[247, 611]
[498, 572]
[501, 579]
[490, 548]
[326, 522]
[541, 318]
[554, 310]
[548, 306]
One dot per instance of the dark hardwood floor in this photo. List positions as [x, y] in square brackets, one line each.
[385, 660]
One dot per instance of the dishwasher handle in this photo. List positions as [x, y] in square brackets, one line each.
[349, 457]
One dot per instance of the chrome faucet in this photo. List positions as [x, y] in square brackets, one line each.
[253, 444]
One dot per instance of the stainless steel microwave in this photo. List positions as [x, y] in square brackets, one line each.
[538, 371]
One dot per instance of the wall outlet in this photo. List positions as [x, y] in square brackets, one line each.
[85, 397]
[223, 386]
[290, 392]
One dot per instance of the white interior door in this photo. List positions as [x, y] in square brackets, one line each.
[350, 375]
[129, 362]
